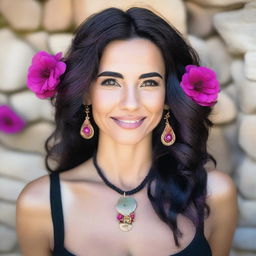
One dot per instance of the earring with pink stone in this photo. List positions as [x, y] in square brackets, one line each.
[168, 135]
[87, 130]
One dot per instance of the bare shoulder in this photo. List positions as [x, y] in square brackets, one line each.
[222, 200]
[220, 185]
[35, 193]
[33, 217]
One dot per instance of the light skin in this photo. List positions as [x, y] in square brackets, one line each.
[125, 156]
[135, 88]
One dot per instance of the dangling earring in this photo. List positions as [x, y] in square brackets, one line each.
[168, 135]
[87, 130]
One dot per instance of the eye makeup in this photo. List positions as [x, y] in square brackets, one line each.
[113, 82]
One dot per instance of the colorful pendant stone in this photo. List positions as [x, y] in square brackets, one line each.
[126, 206]
[87, 130]
[168, 136]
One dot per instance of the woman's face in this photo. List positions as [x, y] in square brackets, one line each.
[128, 94]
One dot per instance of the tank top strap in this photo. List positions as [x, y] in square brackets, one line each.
[56, 210]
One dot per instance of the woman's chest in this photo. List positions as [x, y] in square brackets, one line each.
[91, 225]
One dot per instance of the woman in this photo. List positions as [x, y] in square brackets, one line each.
[129, 148]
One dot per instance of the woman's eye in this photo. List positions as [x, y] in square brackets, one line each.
[110, 82]
[150, 83]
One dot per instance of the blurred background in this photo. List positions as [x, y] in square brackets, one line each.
[222, 31]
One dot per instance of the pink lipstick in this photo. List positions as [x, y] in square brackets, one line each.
[128, 123]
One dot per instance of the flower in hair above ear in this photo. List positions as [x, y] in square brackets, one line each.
[200, 84]
[44, 74]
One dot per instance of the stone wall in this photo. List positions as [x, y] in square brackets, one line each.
[222, 31]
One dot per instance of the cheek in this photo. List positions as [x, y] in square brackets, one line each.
[103, 100]
[154, 101]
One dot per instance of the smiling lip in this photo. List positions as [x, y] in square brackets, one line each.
[128, 123]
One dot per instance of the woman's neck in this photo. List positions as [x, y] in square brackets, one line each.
[125, 166]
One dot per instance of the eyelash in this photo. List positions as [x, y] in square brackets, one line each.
[113, 80]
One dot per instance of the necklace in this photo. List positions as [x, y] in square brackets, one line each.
[126, 205]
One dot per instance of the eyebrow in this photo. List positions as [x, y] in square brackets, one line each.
[116, 74]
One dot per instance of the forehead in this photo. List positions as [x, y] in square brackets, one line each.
[135, 56]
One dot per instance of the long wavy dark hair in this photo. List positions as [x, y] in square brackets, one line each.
[180, 176]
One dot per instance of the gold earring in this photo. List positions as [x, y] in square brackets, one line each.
[168, 136]
[87, 130]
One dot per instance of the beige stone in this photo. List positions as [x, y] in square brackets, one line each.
[224, 110]
[57, 15]
[13, 71]
[213, 54]
[219, 2]
[31, 139]
[173, 11]
[8, 239]
[231, 90]
[237, 70]
[7, 213]
[217, 146]
[23, 102]
[199, 19]
[201, 48]
[247, 212]
[3, 99]
[243, 238]
[247, 97]
[242, 253]
[22, 14]
[250, 65]
[21, 166]
[233, 253]
[238, 28]
[246, 89]
[247, 135]
[219, 58]
[60, 42]
[38, 40]
[230, 131]
[10, 189]
[245, 178]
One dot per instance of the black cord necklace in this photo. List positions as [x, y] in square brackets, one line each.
[126, 205]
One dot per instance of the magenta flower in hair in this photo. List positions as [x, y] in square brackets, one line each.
[201, 85]
[10, 122]
[44, 74]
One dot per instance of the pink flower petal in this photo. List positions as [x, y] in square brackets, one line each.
[61, 67]
[58, 56]
[200, 84]
[52, 80]
[208, 73]
[189, 67]
[44, 73]
[46, 94]
[192, 93]
[186, 83]
[195, 75]
[10, 122]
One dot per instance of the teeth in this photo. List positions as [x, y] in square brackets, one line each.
[130, 121]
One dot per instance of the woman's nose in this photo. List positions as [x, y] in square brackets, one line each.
[130, 98]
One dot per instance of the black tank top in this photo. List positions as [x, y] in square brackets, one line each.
[198, 246]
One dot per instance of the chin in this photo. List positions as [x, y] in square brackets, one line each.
[129, 140]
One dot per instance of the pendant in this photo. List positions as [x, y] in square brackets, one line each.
[126, 206]
[87, 130]
[168, 136]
